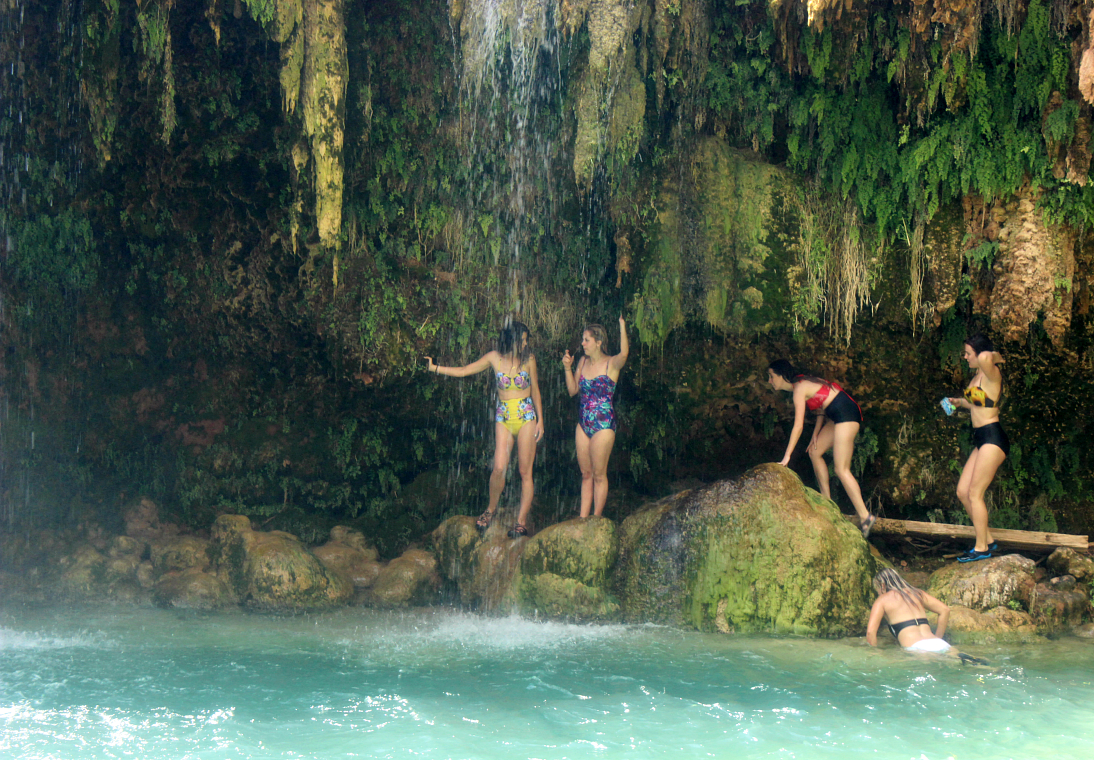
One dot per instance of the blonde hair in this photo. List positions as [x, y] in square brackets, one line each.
[599, 334]
[890, 580]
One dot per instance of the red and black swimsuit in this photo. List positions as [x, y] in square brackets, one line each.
[843, 408]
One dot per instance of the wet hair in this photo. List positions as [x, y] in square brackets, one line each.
[790, 373]
[890, 580]
[510, 340]
[600, 335]
[979, 343]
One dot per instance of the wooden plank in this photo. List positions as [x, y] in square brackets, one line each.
[1023, 540]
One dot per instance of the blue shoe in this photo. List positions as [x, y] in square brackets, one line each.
[993, 547]
[972, 555]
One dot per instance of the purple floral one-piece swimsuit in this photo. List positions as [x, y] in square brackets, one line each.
[597, 412]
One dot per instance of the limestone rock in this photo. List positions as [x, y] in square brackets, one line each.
[82, 572]
[761, 553]
[272, 571]
[1058, 604]
[985, 584]
[408, 579]
[1065, 561]
[191, 588]
[179, 554]
[350, 556]
[1000, 624]
[564, 570]
[1085, 631]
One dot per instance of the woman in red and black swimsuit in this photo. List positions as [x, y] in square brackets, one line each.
[838, 421]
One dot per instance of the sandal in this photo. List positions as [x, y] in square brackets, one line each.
[867, 525]
[484, 520]
[518, 530]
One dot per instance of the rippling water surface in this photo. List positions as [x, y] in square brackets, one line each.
[128, 682]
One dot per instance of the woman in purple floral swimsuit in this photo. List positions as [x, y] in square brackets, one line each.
[597, 374]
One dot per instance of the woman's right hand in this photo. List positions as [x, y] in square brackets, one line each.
[429, 365]
[567, 360]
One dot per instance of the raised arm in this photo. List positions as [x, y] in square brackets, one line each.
[988, 361]
[799, 422]
[533, 373]
[877, 612]
[567, 369]
[474, 368]
[617, 361]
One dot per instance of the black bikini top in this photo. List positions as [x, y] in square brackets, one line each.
[895, 629]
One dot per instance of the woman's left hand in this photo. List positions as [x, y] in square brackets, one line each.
[785, 461]
[539, 430]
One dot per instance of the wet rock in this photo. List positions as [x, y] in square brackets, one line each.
[761, 553]
[989, 583]
[272, 571]
[407, 580]
[997, 625]
[82, 572]
[564, 570]
[180, 554]
[350, 556]
[142, 521]
[1065, 561]
[192, 588]
[1084, 631]
[482, 567]
[1058, 604]
[125, 546]
[454, 543]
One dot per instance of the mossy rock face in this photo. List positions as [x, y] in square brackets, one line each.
[998, 625]
[481, 567]
[454, 544]
[564, 570]
[356, 565]
[83, 572]
[273, 571]
[759, 554]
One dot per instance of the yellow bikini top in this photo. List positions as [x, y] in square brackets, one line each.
[977, 396]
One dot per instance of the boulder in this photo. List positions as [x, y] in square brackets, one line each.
[762, 553]
[985, 584]
[191, 588]
[272, 571]
[1066, 561]
[350, 556]
[180, 553]
[564, 570]
[1084, 631]
[482, 567]
[997, 625]
[82, 572]
[407, 580]
[1058, 604]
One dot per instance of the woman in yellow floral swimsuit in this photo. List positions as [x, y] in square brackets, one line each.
[518, 416]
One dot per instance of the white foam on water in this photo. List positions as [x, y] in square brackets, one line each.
[12, 640]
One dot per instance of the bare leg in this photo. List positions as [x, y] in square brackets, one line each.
[816, 456]
[600, 449]
[843, 447]
[503, 446]
[526, 457]
[979, 471]
[585, 462]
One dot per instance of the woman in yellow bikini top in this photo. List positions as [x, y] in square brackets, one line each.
[518, 415]
[983, 397]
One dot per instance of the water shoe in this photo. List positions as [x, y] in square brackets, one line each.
[972, 555]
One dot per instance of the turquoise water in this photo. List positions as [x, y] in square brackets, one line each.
[145, 683]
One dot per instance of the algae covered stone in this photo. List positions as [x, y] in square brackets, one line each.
[762, 553]
[564, 570]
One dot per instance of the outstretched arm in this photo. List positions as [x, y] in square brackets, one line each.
[799, 422]
[617, 361]
[474, 368]
[943, 610]
[877, 612]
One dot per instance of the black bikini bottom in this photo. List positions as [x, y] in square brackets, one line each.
[843, 409]
[993, 434]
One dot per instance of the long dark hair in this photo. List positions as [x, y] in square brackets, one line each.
[890, 580]
[790, 373]
[511, 340]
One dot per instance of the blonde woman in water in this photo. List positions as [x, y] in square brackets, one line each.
[904, 607]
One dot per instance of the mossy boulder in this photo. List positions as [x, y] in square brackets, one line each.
[481, 568]
[996, 625]
[762, 553]
[564, 570]
[180, 554]
[1058, 604]
[192, 588]
[82, 572]
[409, 579]
[1065, 561]
[349, 555]
[272, 571]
